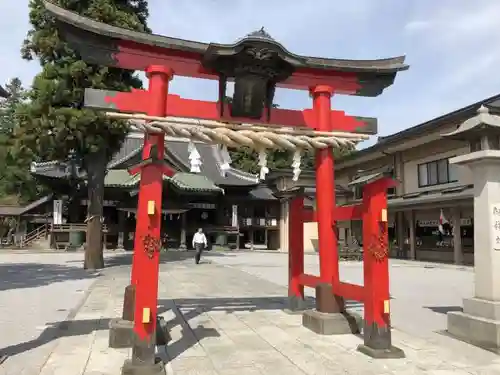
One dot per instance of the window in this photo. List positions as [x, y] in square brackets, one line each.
[442, 171]
[436, 172]
[358, 192]
[453, 172]
[475, 146]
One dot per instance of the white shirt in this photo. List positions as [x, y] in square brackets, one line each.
[199, 238]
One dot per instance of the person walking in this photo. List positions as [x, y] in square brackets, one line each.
[199, 243]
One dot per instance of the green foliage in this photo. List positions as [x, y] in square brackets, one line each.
[53, 122]
[16, 183]
[247, 160]
[8, 106]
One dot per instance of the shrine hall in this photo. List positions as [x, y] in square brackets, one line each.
[233, 207]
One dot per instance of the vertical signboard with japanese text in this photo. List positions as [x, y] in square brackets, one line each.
[57, 212]
[495, 223]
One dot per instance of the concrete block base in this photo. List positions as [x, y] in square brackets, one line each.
[478, 324]
[130, 368]
[296, 305]
[391, 353]
[120, 333]
[330, 323]
[162, 335]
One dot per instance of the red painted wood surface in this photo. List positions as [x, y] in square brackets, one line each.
[325, 191]
[145, 268]
[296, 247]
[308, 280]
[166, 169]
[340, 213]
[137, 101]
[375, 271]
[309, 215]
[375, 290]
[350, 291]
[135, 56]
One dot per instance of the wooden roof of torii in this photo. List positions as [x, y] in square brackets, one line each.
[108, 45]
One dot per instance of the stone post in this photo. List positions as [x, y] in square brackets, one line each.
[122, 222]
[401, 233]
[182, 244]
[284, 212]
[458, 255]
[479, 322]
[413, 237]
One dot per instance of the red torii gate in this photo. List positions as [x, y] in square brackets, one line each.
[257, 64]
[374, 294]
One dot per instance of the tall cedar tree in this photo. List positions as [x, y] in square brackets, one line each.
[53, 123]
[16, 183]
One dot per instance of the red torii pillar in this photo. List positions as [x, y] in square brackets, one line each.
[296, 298]
[377, 325]
[326, 300]
[146, 258]
[374, 293]
[329, 316]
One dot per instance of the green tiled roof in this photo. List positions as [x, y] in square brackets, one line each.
[183, 181]
[194, 182]
[120, 178]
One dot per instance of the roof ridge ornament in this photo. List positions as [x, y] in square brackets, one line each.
[261, 33]
[483, 110]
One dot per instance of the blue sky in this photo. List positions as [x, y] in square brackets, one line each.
[451, 45]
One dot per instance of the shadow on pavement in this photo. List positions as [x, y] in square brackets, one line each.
[55, 331]
[32, 275]
[125, 259]
[443, 309]
[184, 310]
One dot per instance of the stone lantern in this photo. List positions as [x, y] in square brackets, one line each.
[479, 322]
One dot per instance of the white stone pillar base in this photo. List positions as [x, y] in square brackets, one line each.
[478, 324]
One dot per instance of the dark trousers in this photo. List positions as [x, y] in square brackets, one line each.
[199, 249]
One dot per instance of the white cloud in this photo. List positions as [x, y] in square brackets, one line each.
[460, 37]
[458, 21]
[417, 26]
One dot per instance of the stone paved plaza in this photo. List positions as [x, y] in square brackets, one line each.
[225, 317]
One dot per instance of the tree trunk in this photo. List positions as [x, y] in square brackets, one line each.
[74, 217]
[95, 164]
[74, 210]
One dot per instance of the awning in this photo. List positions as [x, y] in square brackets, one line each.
[262, 193]
[431, 198]
[365, 177]
[307, 192]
